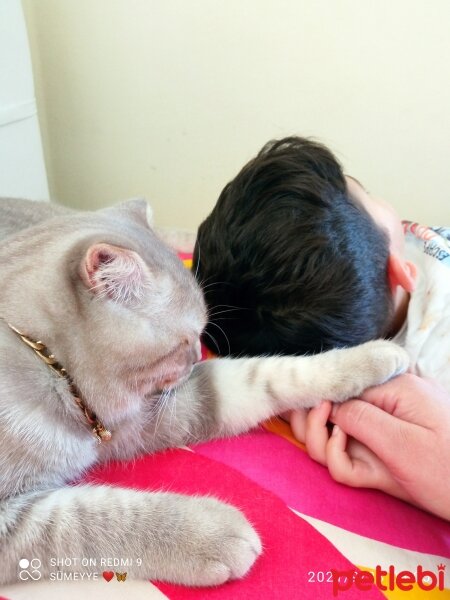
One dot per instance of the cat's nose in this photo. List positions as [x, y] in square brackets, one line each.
[181, 362]
[188, 352]
[192, 349]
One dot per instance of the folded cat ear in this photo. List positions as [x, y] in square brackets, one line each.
[138, 209]
[114, 272]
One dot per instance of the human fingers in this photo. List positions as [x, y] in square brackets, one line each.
[351, 463]
[410, 398]
[297, 420]
[343, 466]
[386, 435]
[316, 432]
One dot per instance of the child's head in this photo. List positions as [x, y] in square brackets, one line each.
[294, 257]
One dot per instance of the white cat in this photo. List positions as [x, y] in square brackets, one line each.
[122, 317]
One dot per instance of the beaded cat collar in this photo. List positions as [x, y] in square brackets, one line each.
[99, 431]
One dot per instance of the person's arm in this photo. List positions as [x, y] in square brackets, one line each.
[400, 441]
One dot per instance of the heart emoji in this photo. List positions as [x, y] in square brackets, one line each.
[108, 575]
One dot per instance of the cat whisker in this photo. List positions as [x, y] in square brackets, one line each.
[229, 306]
[224, 335]
[160, 408]
[203, 281]
[164, 403]
[173, 409]
[204, 287]
[198, 262]
[186, 392]
[213, 339]
[221, 312]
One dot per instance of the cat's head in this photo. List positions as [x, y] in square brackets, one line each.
[142, 312]
[117, 307]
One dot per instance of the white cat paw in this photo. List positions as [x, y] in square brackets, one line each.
[224, 545]
[384, 360]
[367, 365]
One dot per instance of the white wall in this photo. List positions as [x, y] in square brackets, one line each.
[168, 98]
[22, 171]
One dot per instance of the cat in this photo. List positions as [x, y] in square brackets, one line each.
[123, 316]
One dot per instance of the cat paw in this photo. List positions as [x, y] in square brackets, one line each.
[222, 546]
[367, 365]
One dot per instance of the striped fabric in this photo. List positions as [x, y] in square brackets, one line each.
[309, 524]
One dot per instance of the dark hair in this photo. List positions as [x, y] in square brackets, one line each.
[288, 262]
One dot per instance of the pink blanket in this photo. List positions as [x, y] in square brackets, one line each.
[310, 525]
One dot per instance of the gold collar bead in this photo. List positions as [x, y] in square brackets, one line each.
[99, 431]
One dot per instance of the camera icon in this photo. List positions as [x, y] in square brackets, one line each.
[30, 569]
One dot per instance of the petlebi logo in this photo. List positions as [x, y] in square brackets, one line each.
[389, 579]
[30, 569]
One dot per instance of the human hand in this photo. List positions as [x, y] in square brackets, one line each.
[400, 441]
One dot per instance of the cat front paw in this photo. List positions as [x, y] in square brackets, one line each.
[383, 360]
[367, 365]
[222, 544]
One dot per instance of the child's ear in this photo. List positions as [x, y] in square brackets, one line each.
[114, 272]
[401, 273]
